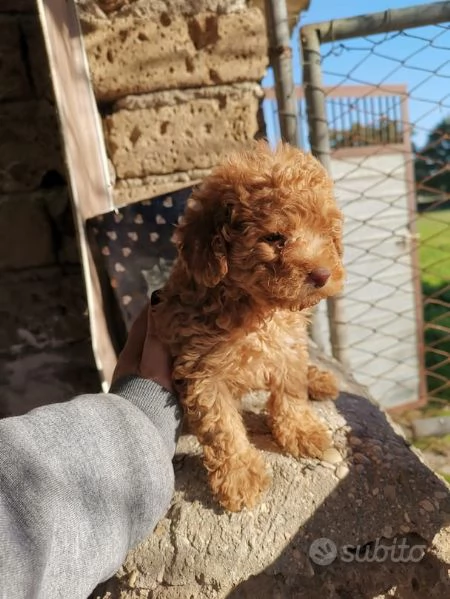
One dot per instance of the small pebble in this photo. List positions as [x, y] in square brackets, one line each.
[355, 441]
[390, 492]
[375, 491]
[427, 505]
[440, 494]
[404, 528]
[342, 470]
[406, 517]
[332, 456]
[387, 531]
[327, 465]
[361, 458]
[133, 578]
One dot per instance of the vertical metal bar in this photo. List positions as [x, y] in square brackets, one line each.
[320, 146]
[358, 121]
[383, 120]
[280, 53]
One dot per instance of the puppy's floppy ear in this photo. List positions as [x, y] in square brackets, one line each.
[201, 240]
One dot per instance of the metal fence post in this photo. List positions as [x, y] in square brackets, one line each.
[280, 53]
[320, 147]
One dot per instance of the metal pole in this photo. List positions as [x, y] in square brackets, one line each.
[320, 147]
[280, 54]
[380, 22]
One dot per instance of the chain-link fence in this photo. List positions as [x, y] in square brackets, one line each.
[377, 96]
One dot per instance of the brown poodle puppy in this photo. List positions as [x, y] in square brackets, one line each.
[259, 245]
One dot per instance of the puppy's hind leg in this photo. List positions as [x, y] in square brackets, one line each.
[322, 384]
[236, 470]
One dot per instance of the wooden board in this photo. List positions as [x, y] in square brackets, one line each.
[85, 153]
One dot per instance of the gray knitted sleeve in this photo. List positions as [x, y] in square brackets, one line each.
[81, 483]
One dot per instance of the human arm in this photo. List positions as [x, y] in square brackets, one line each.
[81, 483]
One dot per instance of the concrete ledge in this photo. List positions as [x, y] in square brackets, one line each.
[134, 190]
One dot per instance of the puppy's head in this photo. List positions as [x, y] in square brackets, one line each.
[266, 223]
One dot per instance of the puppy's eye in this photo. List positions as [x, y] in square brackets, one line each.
[275, 239]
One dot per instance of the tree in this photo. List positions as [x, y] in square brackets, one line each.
[432, 161]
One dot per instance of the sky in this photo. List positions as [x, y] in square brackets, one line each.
[418, 58]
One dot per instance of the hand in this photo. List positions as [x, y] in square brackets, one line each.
[144, 355]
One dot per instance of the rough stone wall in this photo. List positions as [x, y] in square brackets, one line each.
[176, 84]
[45, 352]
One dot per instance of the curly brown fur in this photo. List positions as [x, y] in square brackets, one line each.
[257, 238]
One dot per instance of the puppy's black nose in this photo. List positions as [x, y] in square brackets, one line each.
[319, 276]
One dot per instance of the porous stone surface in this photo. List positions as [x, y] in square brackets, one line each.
[131, 55]
[18, 6]
[29, 145]
[374, 492]
[23, 63]
[13, 75]
[134, 190]
[155, 8]
[23, 221]
[165, 132]
[45, 349]
[36, 229]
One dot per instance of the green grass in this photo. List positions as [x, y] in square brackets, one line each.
[434, 252]
[434, 257]
[439, 445]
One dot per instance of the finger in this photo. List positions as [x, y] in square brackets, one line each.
[130, 356]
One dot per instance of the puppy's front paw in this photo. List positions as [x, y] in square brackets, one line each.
[240, 481]
[302, 435]
[322, 384]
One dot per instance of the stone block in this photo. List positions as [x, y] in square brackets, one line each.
[36, 57]
[37, 229]
[41, 309]
[18, 6]
[24, 69]
[155, 8]
[137, 55]
[368, 520]
[167, 132]
[29, 145]
[13, 74]
[59, 210]
[127, 191]
[26, 237]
